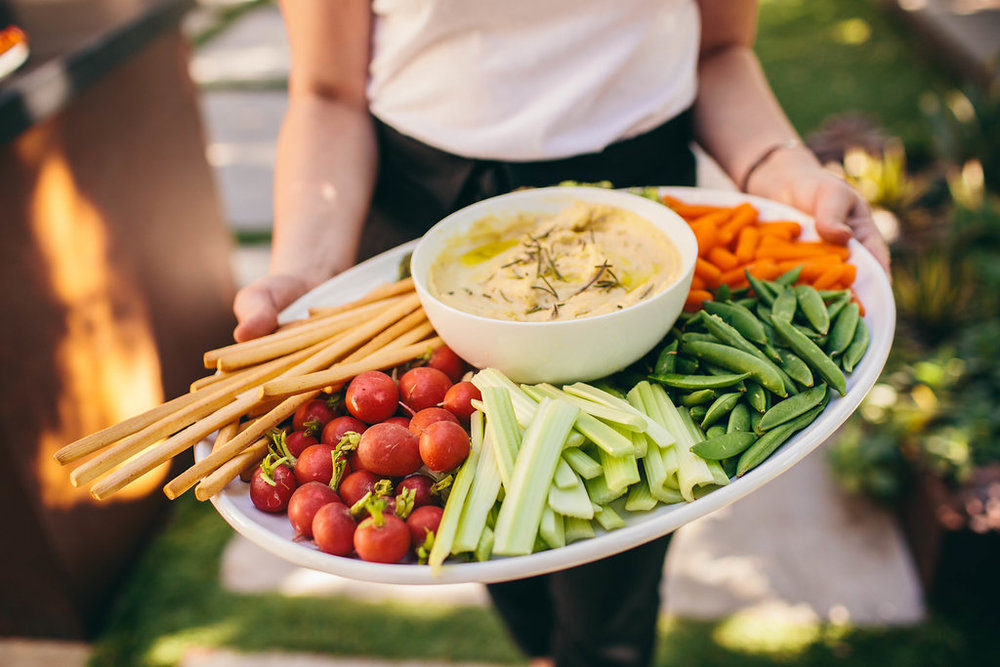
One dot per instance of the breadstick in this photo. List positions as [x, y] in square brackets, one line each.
[381, 292]
[240, 355]
[227, 472]
[290, 385]
[153, 456]
[208, 401]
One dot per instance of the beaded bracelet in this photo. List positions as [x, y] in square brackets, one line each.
[768, 152]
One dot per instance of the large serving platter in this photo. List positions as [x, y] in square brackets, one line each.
[275, 534]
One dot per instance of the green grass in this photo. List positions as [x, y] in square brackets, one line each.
[828, 57]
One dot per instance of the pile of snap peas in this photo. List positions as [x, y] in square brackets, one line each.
[758, 364]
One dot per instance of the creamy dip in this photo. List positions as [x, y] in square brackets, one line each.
[585, 260]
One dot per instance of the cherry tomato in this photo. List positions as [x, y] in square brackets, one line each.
[390, 450]
[423, 387]
[305, 502]
[355, 485]
[422, 519]
[338, 426]
[313, 415]
[428, 416]
[444, 359]
[297, 441]
[372, 397]
[421, 486]
[272, 497]
[382, 541]
[315, 464]
[333, 529]
[458, 399]
[443, 446]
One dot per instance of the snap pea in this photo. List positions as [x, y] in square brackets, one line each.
[812, 306]
[785, 304]
[699, 397]
[792, 407]
[766, 444]
[699, 382]
[788, 277]
[740, 362]
[698, 412]
[739, 418]
[812, 354]
[685, 364]
[856, 350]
[808, 332]
[714, 431]
[689, 336]
[738, 317]
[666, 361]
[755, 420]
[796, 369]
[842, 332]
[729, 335]
[720, 407]
[723, 446]
[760, 288]
[830, 294]
[763, 312]
[836, 305]
[757, 397]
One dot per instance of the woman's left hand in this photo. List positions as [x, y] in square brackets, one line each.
[794, 177]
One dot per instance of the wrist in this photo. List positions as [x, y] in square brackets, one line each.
[777, 170]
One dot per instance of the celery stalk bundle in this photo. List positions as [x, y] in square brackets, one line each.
[548, 464]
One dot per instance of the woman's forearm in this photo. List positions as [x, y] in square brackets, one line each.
[324, 179]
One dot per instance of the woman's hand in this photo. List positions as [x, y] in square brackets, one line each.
[793, 176]
[257, 305]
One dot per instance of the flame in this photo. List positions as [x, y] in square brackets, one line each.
[107, 359]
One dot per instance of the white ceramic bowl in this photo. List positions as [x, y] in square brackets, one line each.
[560, 351]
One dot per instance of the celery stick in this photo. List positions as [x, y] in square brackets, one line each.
[691, 468]
[445, 536]
[502, 423]
[565, 477]
[551, 528]
[619, 471]
[524, 406]
[571, 502]
[640, 443]
[671, 464]
[485, 546]
[481, 498]
[607, 518]
[581, 462]
[627, 418]
[639, 498]
[521, 511]
[578, 529]
[670, 496]
[655, 430]
[597, 489]
[601, 434]
[652, 462]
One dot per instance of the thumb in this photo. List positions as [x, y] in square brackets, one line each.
[257, 305]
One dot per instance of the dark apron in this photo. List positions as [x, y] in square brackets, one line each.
[600, 613]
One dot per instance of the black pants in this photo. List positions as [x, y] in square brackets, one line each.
[600, 613]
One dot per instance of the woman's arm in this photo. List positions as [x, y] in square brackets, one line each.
[326, 162]
[739, 122]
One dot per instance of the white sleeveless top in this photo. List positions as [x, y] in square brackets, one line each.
[531, 79]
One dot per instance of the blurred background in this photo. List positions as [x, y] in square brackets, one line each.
[136, 154]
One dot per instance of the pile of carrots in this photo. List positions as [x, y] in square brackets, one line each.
[732, 241]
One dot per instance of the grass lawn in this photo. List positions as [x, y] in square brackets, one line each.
[824, 57]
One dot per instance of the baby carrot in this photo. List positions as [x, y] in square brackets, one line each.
[746, 244]
[706, 236]
[829, 278]
[695, 298]
[743, 215]
[714, 218]
[722, 258]
[708, 272]
[786, 229]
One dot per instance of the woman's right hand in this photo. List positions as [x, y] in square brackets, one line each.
[257, 305]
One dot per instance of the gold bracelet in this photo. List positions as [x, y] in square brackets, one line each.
[768, 152]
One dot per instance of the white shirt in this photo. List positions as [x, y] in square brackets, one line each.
[531, 79]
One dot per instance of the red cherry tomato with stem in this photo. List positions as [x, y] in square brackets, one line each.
[305, 502]
[333, 529]
[372, 397]
[458, 400]
[428, 416]
[389, 450]
[443, 446]
[423, 387]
